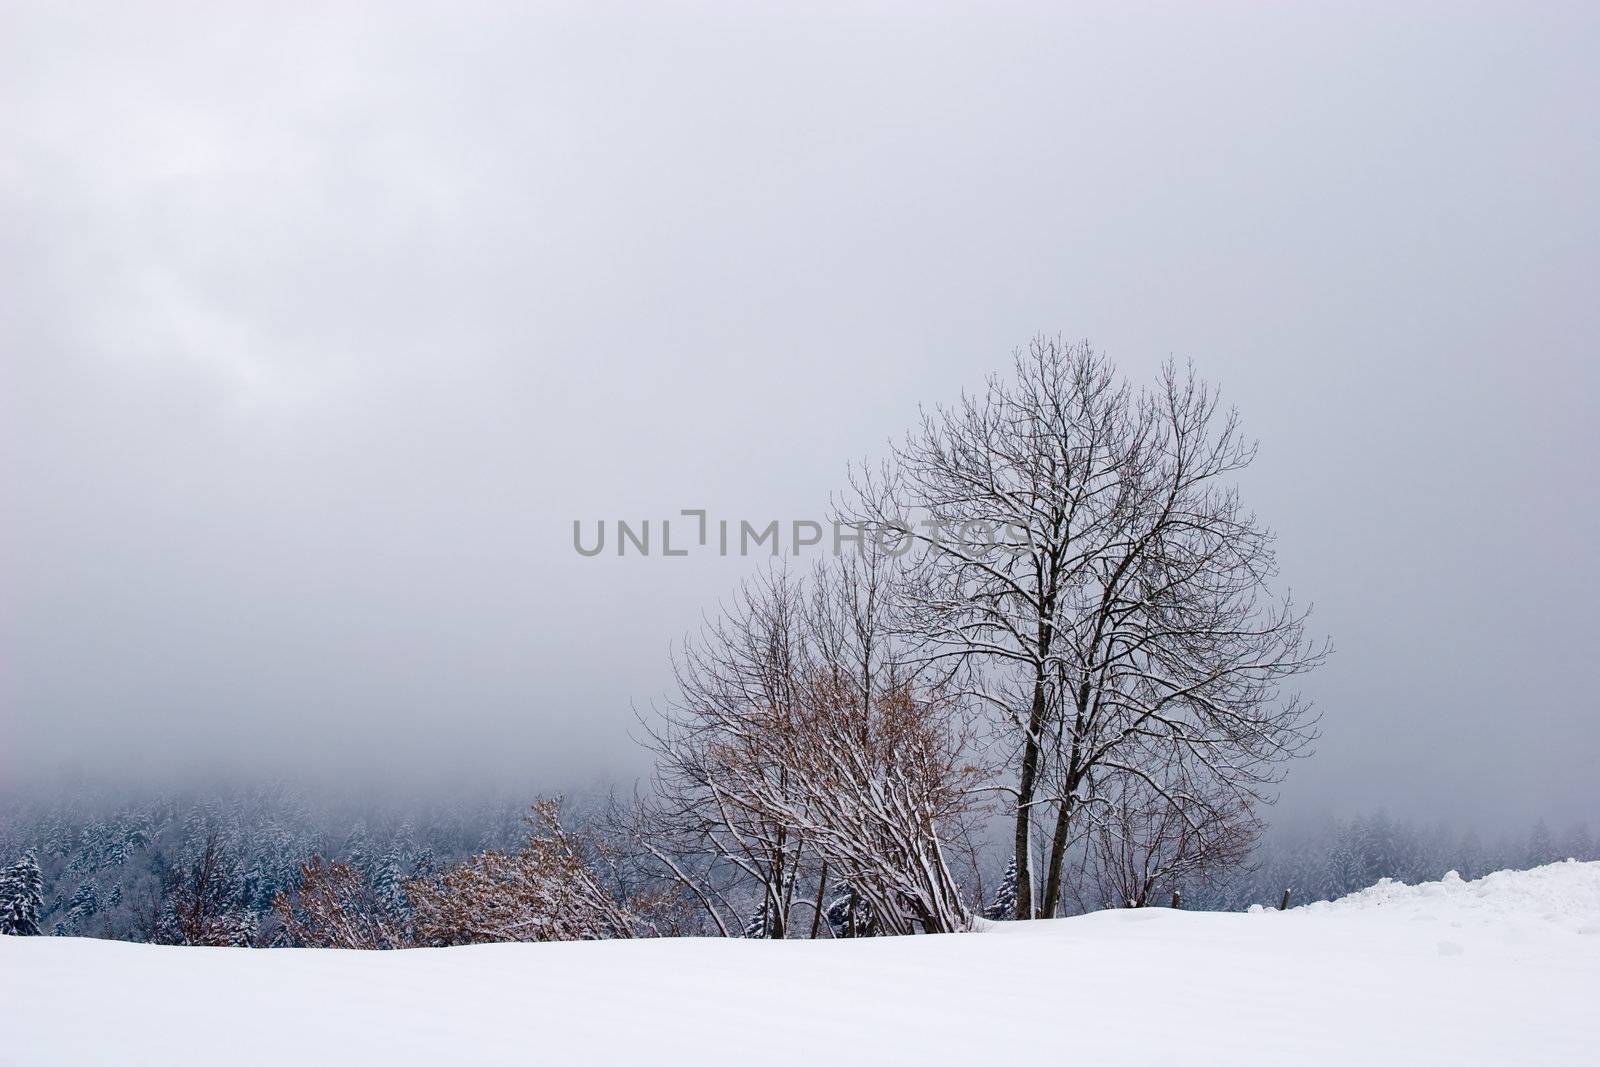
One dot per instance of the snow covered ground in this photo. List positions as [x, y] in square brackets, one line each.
[1502, 970]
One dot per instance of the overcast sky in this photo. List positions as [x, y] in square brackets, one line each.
[318, 331]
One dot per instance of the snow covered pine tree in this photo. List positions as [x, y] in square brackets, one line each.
[760, 924]
[21, 897]
[1004, 904]
[850, 915]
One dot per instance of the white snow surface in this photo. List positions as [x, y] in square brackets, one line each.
[1501, 970]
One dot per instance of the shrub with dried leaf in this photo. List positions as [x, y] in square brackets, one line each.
[336, 908]
[876, 786]
[549, 891]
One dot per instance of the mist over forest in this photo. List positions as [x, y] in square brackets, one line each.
[1048, 667]
[300, 402]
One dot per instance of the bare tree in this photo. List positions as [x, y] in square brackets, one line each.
[736, 677]
[206, 909]
[1176, 652]
[1085, 557]
[1151, 841]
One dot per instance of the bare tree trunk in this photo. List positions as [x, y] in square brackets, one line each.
[822, 891]
[1066, 810]
[1058, 855]
[1027, 786]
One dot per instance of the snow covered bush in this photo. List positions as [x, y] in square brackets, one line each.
[336, 907]
[547, 891]
[802, 747]
[871, 786]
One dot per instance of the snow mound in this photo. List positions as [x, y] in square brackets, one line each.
[1565, 895]
[1504, 969]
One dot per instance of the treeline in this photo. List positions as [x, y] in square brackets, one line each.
[186, 869]
[270, 868]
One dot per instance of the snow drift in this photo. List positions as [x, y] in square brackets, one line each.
[1503, 969]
